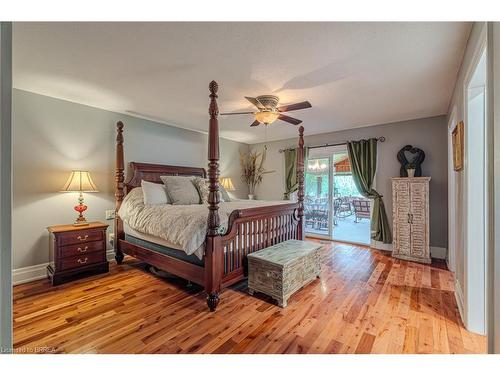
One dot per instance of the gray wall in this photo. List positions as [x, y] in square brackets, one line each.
[5, 186]
[429, 134]
[51, 137]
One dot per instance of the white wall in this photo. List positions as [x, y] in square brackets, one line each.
[5, 186]
[428, 134]
[51, 137]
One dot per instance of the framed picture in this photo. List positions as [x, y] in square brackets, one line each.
[458, 146]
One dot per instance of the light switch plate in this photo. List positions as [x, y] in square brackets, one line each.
[110, 214]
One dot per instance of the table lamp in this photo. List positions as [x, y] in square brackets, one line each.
[227, 183]
[80, 181]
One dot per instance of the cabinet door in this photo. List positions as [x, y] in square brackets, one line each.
[401, 217]
[418, 211]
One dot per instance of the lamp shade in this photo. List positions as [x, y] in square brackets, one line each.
[267, 117]
[227, 183]
[80, 181]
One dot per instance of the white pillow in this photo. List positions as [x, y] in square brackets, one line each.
[154, 193]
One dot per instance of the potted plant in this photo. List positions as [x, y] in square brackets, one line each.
[252, 169]
[410, 169]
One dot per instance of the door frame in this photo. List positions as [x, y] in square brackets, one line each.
[475, 273]
[452, 191]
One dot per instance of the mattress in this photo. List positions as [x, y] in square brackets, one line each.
[129, 232]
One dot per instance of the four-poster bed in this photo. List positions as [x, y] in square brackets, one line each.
[248, 230]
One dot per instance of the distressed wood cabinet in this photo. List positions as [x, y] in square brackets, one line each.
[410, 213]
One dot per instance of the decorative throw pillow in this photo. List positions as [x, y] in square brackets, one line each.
[181, 189]
[224, 194]
[154, 193]
[202, 185]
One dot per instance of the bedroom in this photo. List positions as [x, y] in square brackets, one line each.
[138, 103]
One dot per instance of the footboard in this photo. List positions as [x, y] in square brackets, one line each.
[253, 229]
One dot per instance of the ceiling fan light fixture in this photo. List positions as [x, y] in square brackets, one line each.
[266, 117]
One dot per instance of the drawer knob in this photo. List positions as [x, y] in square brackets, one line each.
[82, 238]
[83, 250]
[82, 261]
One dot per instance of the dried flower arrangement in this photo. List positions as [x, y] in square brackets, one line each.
[252, 167]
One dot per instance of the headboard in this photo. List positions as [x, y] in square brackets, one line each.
[152, 173]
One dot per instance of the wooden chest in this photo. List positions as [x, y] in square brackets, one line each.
[281, 270]
[76, 251]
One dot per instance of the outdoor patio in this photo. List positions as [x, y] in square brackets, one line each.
[347, 230]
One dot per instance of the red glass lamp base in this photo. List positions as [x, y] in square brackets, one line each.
[80, 220]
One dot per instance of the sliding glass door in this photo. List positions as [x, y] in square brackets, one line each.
[334, 208]
[317, 198]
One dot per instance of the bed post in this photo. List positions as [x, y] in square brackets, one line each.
[300, 180]
[119, 193]
[213, 253]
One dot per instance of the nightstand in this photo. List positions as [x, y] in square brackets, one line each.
[76, 251]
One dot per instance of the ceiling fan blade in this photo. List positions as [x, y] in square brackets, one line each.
[237, 113]
[294, 107]
[289, 119]
[255, 123]
[255, 102]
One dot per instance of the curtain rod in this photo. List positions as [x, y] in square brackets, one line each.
[379, 139]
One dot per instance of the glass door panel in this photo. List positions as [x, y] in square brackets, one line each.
[351, 211]
[317, 202]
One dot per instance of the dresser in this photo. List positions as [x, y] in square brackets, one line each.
[76, 251]
[410, 213]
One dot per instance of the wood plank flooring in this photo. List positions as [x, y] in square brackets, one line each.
[365, 302]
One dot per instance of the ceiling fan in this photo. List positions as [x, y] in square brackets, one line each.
[268, 110]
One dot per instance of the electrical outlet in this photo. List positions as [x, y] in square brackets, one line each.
[111, 239]
[110, 214]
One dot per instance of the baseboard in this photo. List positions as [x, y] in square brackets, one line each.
[39, 271]
[459, 297]
[380, 245]
[438, 252]
[27, 274]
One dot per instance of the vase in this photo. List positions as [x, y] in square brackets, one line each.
[411, 172]
[250, 197]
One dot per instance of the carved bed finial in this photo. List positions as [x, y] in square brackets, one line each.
[300, 180]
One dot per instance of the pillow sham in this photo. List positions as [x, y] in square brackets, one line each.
[154, 193]
[181, 190]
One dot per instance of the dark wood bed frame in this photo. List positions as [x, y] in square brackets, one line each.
[248, 230]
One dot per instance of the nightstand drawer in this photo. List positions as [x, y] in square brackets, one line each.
[78, 237]
[81, 249]
[81, 260]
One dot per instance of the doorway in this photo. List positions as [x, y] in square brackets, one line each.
[334, 208]
[476, 215]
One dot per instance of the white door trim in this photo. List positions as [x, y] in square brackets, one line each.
[452, 204]
[474, 294]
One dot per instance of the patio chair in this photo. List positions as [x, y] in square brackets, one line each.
[361, 209]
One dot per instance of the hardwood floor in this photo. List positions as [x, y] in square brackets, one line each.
[365, 302]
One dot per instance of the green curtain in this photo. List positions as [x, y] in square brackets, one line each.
[363, 159]
[291, 183]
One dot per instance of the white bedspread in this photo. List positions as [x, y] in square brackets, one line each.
[183, 225]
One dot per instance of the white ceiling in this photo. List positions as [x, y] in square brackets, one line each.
[354, 74]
